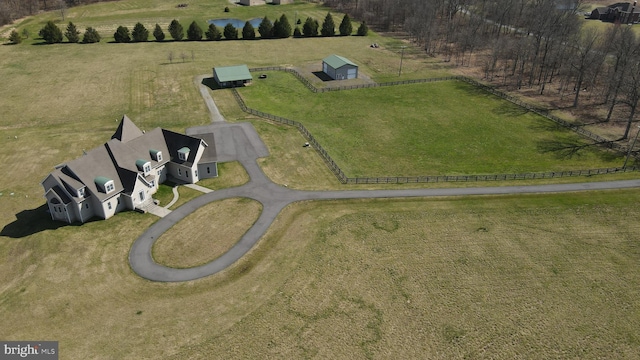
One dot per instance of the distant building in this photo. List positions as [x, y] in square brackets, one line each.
[339, 68]
[125, 172]
[624, 13]
[251, 2]
[232, 76]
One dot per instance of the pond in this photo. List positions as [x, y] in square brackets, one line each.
[237, 23]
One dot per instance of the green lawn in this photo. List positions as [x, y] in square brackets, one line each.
[443, 128]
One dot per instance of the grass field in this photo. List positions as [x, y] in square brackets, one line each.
[443, 128]
[553, 276]
[487, 277]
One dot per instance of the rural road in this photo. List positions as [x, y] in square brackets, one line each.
[241, 142]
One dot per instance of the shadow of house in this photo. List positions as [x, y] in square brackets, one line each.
[29, 222]
[624, 13]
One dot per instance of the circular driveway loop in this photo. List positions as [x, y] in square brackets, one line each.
[274, 198]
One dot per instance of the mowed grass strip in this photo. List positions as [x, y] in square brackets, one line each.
[207, 233]
[443, 128]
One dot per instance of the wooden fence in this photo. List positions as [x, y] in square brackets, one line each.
[431, 179]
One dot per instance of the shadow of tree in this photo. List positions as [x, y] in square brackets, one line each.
[29, 222]
[567, 149]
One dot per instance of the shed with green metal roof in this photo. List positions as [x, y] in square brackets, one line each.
[232, 76]
[339, 68]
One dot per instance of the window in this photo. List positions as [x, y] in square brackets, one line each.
[118, 201]
[109, 205]
[179, 171]
[159, 156]
[156, 155]
[196, 173]
[109, 187]
[159, 172]
[86, 206]
[208, 170]
[153, 183]
[183, 153]
[81, 192]
[147, 169]
[186, 173]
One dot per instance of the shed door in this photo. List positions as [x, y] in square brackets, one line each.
[351, 73]
[324, 68]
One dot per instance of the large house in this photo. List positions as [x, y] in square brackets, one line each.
[624, 13]
[125, 172]
[339, 68]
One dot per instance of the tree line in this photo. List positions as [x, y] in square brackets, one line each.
[536, 45]
[280, 28]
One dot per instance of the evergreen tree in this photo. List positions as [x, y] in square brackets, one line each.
[283, 28]
[140, 33]
[248, 31]
[50, 33]
[72, 33]
[213, 33]
[176, 30]
[345, 26]
[230, 32]
[363, 30]
[328, 26]
[310, 27]
[90, 36]
[194, 32]
[158, 33]
[122, 35]
[15, 38]
[297, 32]
[265, 28]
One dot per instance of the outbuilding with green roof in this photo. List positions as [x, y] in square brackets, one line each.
[339, 68]
[232, 76]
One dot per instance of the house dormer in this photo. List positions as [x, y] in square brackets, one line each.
[104, 184]
[80, 192]
[183, 153]
[144, 166]
[156, 155]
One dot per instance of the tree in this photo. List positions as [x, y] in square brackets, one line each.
[363, 30]
[90, 36]
[297, 32]
[310, 27]
[15, 38]
[230, 32]
[72, 33]
[140, 33]
[50, 33]
[328, 26]
[170, 56]
[282, 28]
[248, 32]
[213, 33]
[345, 26]
[158, 33]
[194, 32]
[176, 30]
[122, 35]
[265, 28]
